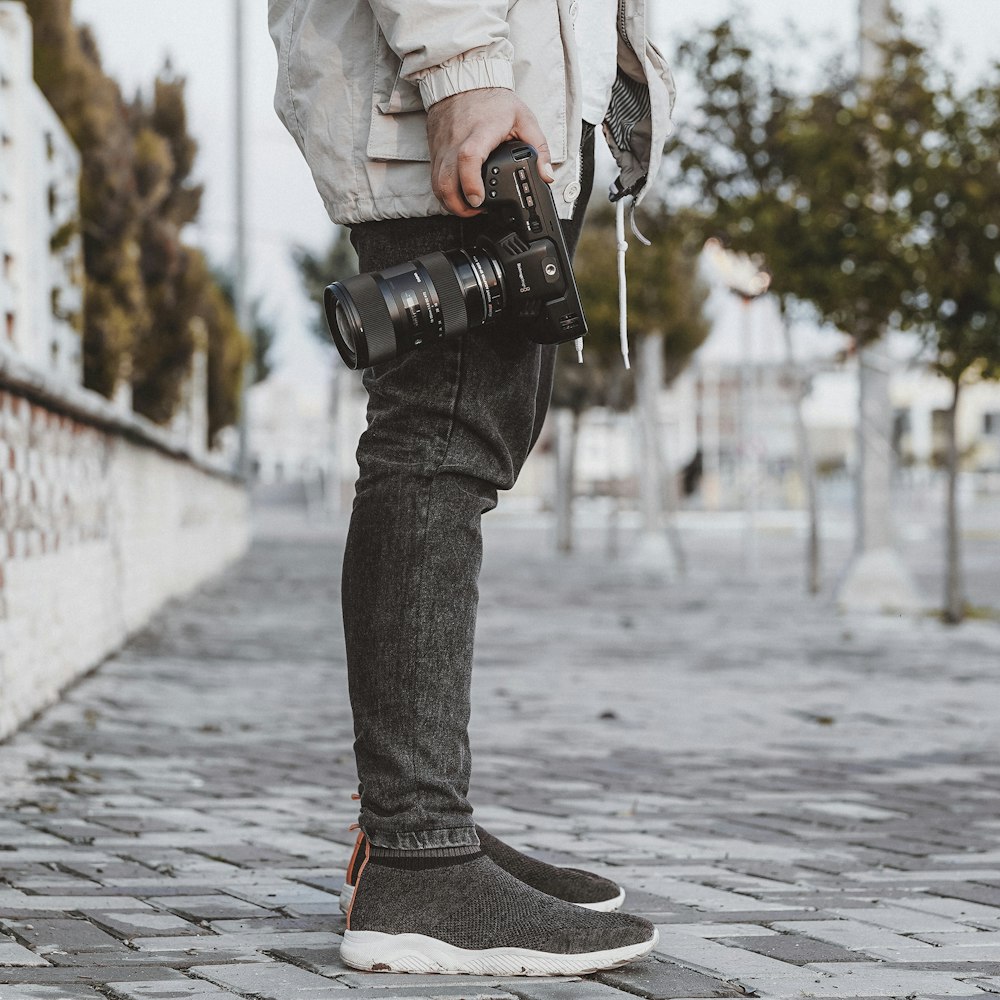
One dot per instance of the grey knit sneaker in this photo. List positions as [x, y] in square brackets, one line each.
[569, 884]
[466, 915]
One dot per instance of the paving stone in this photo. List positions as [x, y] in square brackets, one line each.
[271, 981]
[897, 918]
[658, 980]
[582, 990]
[216, 835]
[62, 935]
[169, 990]
[870, 980]
[444, 990]
[12, 953]
[734, 965]
[212, 907]
[720, 930]
[146, 924]
[854, 935]
[793, 948]
[64, 992]
[83, 974]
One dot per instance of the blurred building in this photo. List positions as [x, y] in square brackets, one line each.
[750, 372]
[41, 274]
[290, 430]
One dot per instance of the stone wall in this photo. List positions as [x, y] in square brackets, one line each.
[102, 519]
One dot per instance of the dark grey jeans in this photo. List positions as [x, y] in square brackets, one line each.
[448, 427]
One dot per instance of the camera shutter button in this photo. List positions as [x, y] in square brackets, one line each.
[572, 191]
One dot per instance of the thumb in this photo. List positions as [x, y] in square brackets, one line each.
[526, 127]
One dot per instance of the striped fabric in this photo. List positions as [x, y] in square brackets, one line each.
[630, 105]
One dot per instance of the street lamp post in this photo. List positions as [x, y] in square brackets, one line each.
[877, 579]
[240, 263]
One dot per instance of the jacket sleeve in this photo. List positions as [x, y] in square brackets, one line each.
[448, 46]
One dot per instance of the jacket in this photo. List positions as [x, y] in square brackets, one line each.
[355, 78]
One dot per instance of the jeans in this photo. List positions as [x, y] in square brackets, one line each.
[448, 426]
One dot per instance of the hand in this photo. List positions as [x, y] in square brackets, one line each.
[462, 130]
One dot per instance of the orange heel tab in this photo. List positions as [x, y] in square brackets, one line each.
[354, 854]
[357, 881]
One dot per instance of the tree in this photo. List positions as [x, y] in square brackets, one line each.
[148, 294]
[875, 204]
[164, 343]
[800, 179]
[68, 70]
[316, 271]
[262, 334]
[954, 183]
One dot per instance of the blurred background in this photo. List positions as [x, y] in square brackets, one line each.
[814, 327]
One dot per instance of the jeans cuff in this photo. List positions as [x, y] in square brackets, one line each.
[422, 840]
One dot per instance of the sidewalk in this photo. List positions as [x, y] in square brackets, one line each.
[806, 805]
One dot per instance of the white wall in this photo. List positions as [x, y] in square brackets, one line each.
[98, 528]
[39, 193]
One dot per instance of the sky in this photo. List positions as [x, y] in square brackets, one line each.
[135, 41]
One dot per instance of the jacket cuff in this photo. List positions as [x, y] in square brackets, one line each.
[464, 74]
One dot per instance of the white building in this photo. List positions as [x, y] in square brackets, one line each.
[41, 255]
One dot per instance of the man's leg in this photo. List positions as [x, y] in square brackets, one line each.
[447, 428]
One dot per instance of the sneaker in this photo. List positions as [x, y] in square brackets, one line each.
[569, 884]
[466, 915]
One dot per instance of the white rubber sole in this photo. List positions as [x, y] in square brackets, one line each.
[605, 906]
[374, 951]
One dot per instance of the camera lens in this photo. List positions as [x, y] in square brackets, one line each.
[378, 316]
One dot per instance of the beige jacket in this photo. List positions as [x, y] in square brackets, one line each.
[355, 78]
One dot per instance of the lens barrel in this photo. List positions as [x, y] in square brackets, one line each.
[377, 316]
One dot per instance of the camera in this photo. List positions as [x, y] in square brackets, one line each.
[519, 267]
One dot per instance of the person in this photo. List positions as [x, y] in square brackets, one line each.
[395, 105]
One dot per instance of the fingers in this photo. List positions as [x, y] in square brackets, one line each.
[462, 130]
[448, 189]
[470, 173]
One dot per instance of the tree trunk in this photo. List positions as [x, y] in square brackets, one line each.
[954, 594]
[807, 466]
[567, 435]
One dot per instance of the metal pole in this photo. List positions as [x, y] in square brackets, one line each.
[873, 514]
[877, 579]
[748, 434]
[240, 264]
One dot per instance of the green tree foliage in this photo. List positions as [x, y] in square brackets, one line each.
[163, 154]
[148, 295]
[261, 333]
[953, 184]
[797, 178]
[316, 271]
[875, 202]
[68, 70]
[665, 295]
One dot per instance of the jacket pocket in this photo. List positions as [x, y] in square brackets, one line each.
[398, 123]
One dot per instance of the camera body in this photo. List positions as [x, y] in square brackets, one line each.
[528, 241]
[519, 267]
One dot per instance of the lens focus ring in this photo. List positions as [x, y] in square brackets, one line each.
[446, 284]
[378, 342]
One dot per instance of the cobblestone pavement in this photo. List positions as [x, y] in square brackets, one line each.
[807, 805]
